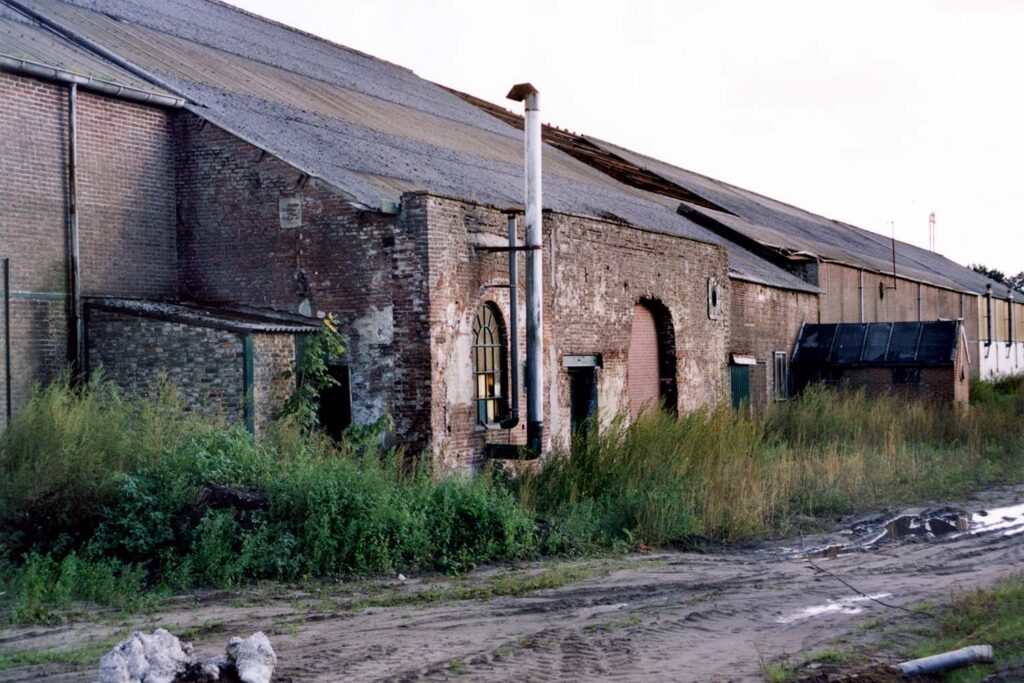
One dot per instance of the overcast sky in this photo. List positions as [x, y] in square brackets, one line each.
[864, 111]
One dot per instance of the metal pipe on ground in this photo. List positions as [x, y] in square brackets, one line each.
[526, 93]
[947, 661]
[512, 420]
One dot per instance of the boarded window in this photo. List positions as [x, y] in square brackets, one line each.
[643, 374]
[780, 375]
[489, 365]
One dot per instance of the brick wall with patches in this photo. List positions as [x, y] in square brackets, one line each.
[766, 320]
[273, 376]
[256, 231]
[205, 365]
[126, 213]
[595, 272]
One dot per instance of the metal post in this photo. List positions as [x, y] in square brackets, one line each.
[524, 92]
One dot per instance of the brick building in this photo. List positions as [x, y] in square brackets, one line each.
[224, 181]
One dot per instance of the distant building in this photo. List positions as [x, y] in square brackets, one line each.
[926, 361]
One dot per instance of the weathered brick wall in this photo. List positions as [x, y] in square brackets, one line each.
[766, 320]
[273, 375]
[126, 219]
[367, 268]
[595, 272]
[126, 181]
[203, 363]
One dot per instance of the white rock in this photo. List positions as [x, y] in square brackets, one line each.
[254, 658]
[145, 658]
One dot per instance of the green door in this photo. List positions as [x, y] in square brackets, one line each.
[740, 384]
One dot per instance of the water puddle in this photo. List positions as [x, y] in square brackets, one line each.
[945, 523]
[850, 605]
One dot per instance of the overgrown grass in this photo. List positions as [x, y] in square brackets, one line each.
[993, 616]
[728, 475]
[115, 497]
[104, 498]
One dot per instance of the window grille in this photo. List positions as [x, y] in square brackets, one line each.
[489, 365]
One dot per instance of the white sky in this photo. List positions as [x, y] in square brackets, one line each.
[865, 111]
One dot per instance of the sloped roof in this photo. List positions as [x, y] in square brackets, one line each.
[232, 318]
[27, 42]
[370, 128]
[878, 344]
[781, 226]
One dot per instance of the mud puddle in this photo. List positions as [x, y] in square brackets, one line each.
[929, 524]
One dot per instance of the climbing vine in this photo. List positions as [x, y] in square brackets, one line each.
[312, 371]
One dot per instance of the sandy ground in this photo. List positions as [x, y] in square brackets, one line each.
[660, 616]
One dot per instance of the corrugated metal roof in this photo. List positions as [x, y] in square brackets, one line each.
[839, 345]
[781, 226]
[364, 125]
[23, 39]
[237, 319]
[373, 129]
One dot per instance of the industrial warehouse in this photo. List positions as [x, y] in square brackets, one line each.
[186, 189]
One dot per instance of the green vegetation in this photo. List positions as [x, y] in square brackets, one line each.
[994, 616]
[721, 474]
[117, 501]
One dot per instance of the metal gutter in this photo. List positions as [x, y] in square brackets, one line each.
[23, 67]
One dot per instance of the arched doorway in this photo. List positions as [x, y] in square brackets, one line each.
[651, 369]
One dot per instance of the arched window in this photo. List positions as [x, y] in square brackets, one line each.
[489, 364]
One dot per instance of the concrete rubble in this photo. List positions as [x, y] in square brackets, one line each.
[159, 657]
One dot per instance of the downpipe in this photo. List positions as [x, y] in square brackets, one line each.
[512, 420]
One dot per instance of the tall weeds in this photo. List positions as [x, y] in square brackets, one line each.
[726, 475]
[98, 490]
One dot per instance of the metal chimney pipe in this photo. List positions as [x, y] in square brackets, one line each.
[525, 92]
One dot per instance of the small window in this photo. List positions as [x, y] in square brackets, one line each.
[780, 375]
[906, 375]
[489, 365]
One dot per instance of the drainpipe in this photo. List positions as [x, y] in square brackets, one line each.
[526, 93]
[1009, 315]
[7, 337]
[76, 331]
[988, 310]
[861, 291]
[512, 420]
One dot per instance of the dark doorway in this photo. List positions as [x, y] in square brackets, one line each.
[335, 411]
[740, 375]
[582, 397]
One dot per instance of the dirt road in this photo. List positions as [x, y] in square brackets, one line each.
[664, 616]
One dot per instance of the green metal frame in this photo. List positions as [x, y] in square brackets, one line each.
[248, 380]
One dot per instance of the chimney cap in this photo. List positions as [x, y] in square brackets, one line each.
[521, 91]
